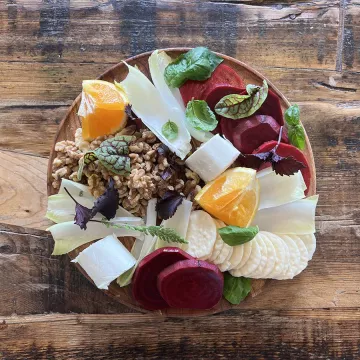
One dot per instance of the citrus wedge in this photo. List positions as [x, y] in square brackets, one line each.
[233, 197]
[102, 109]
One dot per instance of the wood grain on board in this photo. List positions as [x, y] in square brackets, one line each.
[309, 50]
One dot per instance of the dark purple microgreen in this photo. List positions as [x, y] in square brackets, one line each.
[167, 205]
[82, 213]
[235, 106]
[114, 154]
[167, 173]
[285, 165]
[107, 203]
[129, 112]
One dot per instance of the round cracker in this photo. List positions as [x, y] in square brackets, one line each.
[271, 257]
[225, 265]
[258, 272]
[219, 243]
[304, 255]
[201, 234]
[281, 254]
[252, 263]
[309, 241]
[236, 256]
[293, 259]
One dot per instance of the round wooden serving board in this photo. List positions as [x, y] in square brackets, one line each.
[72, 121]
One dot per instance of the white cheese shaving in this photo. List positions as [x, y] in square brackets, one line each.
[154, 112]
[105, 260]
[212, 158]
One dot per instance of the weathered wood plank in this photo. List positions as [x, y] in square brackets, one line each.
[23, 189]
[33, 282]
[296, 34]
[59, 84]
[264, 334]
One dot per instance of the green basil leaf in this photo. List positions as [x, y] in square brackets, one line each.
[200, 116]
[296, 136]
[292, 115]
[114, 154]
[236, 106]
[88, 158]
[196, 64]
[170, 130]
[235, 235]
[236, 289]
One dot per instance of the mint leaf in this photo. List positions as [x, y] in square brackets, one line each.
[236, 289]
[296, 136]
[235, 235]
[236, 106]
[114, 154]
[196, 64]
[170, 130]
[199, 115]
[292, 115]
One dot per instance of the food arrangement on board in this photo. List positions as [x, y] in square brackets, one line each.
[203, 171]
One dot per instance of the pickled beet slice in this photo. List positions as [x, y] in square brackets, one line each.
[191, 284]
[144, 282]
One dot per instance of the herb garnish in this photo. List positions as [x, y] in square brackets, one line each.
[235, 106]
[200, 116]
[236, 289]
[196, 64]
[281, 165]
[107, 204]
[112, 153]
[296, 132]
[170, 130]
[167, 205]
[235, 235]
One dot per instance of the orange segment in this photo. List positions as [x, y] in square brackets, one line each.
[233, 197]
[102, 109]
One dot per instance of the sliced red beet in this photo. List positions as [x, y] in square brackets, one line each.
[222, 75]
[248, 134]
[191, 284]
[288, 150]
[217, 92]
[144, 282]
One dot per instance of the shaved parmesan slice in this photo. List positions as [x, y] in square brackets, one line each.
[236, 256]
[201, 234]
[158, 61]
[154, 111]
[212, 158]
[148, 244]
[297, 217]
[258, 273]
[294, 258]
[179, 222]
[105, 260]
[310, 243]
[136, 248]
[277, 190]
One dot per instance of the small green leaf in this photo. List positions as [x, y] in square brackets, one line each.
[296, 135]
[292, 115]
[170, 130]
[196, 64]
[199, 115]
[114, 154]
[236, 289]
[88, 158]
[236, 106]
[235, 235]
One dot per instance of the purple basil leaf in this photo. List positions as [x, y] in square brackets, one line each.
[167, 205]
[253, 161]
[163, 150]
[107, 203]
[285, 166]
[82, 215]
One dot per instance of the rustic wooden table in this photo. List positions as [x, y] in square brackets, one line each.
[310, 50]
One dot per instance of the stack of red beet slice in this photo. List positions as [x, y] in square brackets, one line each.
[169, 277]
